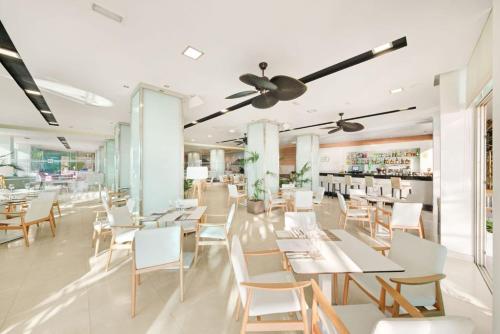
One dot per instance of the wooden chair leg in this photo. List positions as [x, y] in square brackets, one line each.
[197, 246]
[110, 252]
[439, 299]
[25, 235]
[134, 292]
[335, 288]
[345, 296]
[238, 304]
[246, 312]
[181, 276]
[52, 225]
[303, 311]
[97, 242]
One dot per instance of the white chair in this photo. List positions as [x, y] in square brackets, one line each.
[214, 233]
[397, 185]
[355, 213]
[423, 261]
[101, 224]
[371, 184]
[275, 202]
[234, 194]
[123, 230]
[267, 294]
[356, 197]
[39, 211]
[330, 179]
[55, 199]
[299, 220]
[404, 216]
[349, 183]
[303, 200]
[370, 319]
[319, 194]
[159, 249]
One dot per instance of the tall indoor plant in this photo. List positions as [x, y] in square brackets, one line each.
[255, 203]
[299, 177]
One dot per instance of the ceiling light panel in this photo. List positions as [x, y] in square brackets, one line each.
[64, 142]
[18, 71]
[107, 13]
[396, 90]
[192, 53]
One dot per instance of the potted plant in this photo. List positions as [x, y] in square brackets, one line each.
[299, 177]
[187, 185]
[255, 203]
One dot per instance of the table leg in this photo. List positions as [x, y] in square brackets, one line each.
[327, 283]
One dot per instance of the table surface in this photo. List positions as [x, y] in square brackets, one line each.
[349, 255]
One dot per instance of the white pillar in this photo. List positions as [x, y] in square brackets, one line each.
[109, 164]
[496, 164]
[307, 152]
[7, 151]
[217, 163]
[122, 155]
[194, 159]
[456, 166]
[157, 149]
[263, 139]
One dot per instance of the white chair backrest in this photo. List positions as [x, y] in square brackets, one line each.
[49, 195]
[357, 192]
[187, 203]
[304, 199]
[396, 182]
[130, 205]
[430, 325]
[417, 255]
[230, 217]
[288, 186]
[370, 181]
[233, 190]
[342, 203]
[39, 209]
[348, 180]
[105, 201]
[299, 220]
[320, 193]
[119, 215]
[330, 179]
[239, 267]
[406, 214]
[154, 247]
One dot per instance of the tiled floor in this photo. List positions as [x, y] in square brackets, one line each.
[57, 286]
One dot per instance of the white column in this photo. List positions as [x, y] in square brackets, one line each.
[263, 139]
[122, 155]
[7, 151]
[307, 152]
[157, 149]
[456, 166]
[23, 158]
[194, 159]
[217, 163]
[496, 164]
[109, 164]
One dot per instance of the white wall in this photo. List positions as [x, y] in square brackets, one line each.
[457, 167]
[332, 159]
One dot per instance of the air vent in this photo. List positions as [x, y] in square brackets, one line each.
[64, 142]
[13, 63]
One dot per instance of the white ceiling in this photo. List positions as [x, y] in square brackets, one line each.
[66, 41]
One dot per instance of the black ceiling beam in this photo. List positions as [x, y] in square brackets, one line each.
[356, 60]
[21, 75]
[64, 142]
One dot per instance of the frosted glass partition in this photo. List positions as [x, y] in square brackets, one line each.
[101, 160]
[263, 139]
[109, 162]
[23, 158]
[157, 149]
[217, 163]
[122, 155]
[307, 151]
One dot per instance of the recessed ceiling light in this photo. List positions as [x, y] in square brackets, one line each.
[33, 92]
[232, 131]
[382, 48]
[224, 111]
[194, 122]
[312, 111]
[53, 123]
[285, 126]
[193, 139]
[209, 136]
[106, 12]
[396, 90]
[46, 111]
[192, 52]
[9, 53]
[73, 93]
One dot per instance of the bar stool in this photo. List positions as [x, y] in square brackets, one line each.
[349, 183]
[370, 183]
[397, 184]
[330, 180]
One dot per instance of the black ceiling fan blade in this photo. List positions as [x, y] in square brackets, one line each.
[334, 130]
[242, 94]
[353, 61]
[264, 101]
[258, 82]
[288, 88]
[352, 127]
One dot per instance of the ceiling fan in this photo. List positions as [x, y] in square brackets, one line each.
[238, 141]
[344, 125]
[278, 88]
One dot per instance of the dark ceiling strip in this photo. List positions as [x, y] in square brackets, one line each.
[21, 75]
[64, 142]
[365, 56]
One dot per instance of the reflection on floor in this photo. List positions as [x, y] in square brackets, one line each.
[57, 286]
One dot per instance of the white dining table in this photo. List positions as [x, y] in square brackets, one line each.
[346, 254]
[188, 219]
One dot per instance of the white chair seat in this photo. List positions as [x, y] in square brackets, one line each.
[423, 295]
[127, 236]
[100, 226]
[271, 302]
[213, 232]
[188, 226]
[279, 201]
[12, 221]
[359, 319]
[356, 213]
